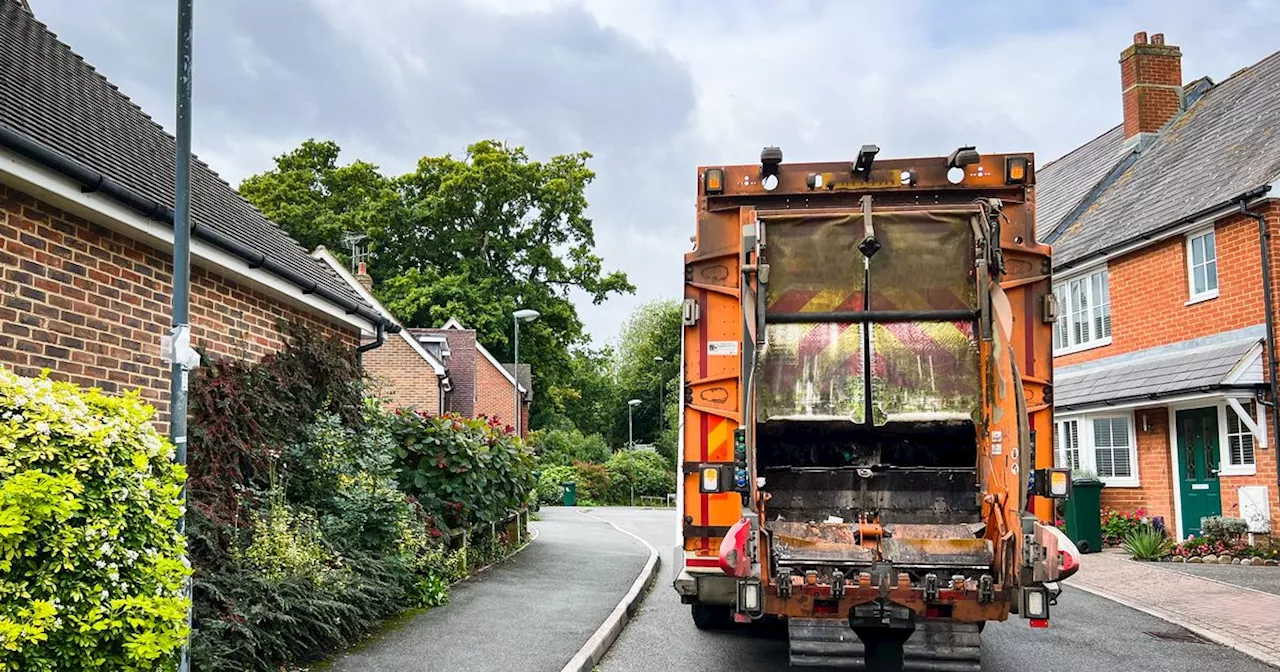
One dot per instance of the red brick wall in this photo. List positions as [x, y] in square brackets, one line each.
[401, 377]
[1154, 470]
[1149, 290]
[494, 396]
[91, 305]
[1266, 475]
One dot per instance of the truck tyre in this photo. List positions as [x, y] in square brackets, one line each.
[711, 616]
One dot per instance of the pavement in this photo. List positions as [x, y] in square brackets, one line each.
[1236, 616]
[1264, 579]
[532, 613]
[1087, 631]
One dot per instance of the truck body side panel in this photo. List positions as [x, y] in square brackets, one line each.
[713, 393]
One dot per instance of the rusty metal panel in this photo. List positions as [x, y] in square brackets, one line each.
[925, 370]
[817, 542]
[926, 261]
[811, 371]
[968, 552]
[814, 263]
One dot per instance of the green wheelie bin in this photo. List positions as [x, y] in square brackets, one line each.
[1083, 514]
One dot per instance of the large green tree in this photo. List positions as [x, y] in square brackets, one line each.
[648, 359]
[473, 237]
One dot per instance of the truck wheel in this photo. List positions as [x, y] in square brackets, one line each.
[711, 616]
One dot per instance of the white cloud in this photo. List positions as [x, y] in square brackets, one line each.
[652, 88]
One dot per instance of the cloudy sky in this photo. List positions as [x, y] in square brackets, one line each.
[651, 88]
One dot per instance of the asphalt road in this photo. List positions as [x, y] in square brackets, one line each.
[530, 614]
[1088, 633]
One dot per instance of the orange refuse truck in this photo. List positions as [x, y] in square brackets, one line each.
[866, 434]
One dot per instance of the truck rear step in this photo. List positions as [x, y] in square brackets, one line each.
[936, 646]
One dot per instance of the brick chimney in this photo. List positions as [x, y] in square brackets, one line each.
[363, 277]
[1151, 79]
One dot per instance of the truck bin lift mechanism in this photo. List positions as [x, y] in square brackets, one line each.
[866, 366]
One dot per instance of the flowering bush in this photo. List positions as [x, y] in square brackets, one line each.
[91, 563]
[550, 492]
[1116, 525]
[462, 471]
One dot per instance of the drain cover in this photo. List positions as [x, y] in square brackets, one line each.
[1179, 636]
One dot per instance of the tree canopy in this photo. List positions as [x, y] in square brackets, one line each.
[473, 237]
[647, 359]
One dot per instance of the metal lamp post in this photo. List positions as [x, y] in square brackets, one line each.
[631, 446]
[662, 409]
[521, 315]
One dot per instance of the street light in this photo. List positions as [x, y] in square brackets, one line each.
[631, 447]
[521, 315]
[631, 439]
[662, 409]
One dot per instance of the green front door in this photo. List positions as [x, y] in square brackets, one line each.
[1198, 467]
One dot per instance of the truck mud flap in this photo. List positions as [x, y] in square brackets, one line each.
[936, 646]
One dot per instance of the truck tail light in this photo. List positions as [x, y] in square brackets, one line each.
[1053, 483]
[711, 479]
[1015, 170]
[1035, 603]
[749, 598]
[713, 181]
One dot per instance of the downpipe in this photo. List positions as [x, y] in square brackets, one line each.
[1269, 308]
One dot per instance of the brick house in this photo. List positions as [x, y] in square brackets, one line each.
[1161, 342]
[86, 231]
[481, 384]
[401, 372]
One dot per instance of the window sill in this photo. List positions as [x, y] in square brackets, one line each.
[1200, 298]
[1240, 471]
[1120, 482]
[1100, 343]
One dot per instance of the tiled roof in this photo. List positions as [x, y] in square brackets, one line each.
[51, 95]
[1224, 145]
[1062, 184]
[1190, 366]
[524, 377]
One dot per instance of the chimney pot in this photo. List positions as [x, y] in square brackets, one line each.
[363, 277]
[1140, 37]
[1158, 39]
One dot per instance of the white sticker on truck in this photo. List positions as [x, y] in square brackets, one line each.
[722, 348]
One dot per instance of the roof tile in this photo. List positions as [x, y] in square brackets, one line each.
[53, 96]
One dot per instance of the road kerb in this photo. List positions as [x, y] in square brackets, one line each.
[593, 651]
[1215, 637]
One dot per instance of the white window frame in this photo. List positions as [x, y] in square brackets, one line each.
[1059, 428]
[1066, 307]
[1207, 294]
[1225, 468]
[1088, 451]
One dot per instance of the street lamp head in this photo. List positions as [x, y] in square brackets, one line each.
[633, 402]
[658, 358]
[526, 314]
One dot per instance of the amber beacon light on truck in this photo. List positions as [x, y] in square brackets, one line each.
[867, 408]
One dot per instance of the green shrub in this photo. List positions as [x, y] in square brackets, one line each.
[1220, 528]
[91, 564]
[463, 471]
[645, 471]
[593, 480]
[566, 446]
[550, 490]
[1147, 543]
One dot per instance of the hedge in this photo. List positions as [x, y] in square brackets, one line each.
[91, 564]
